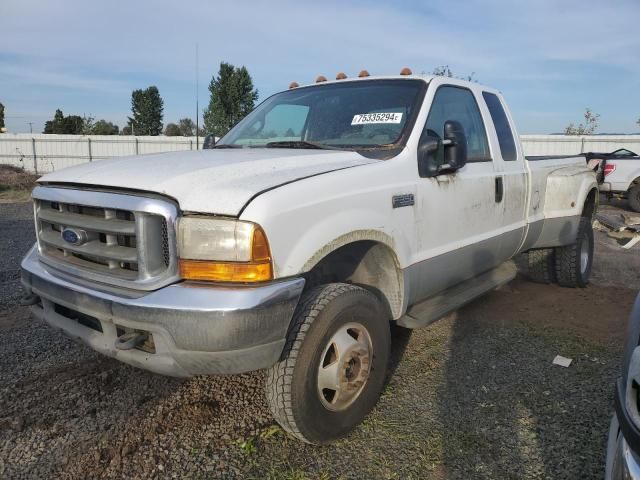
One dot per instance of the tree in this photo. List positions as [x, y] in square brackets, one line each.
[70, 125]
[102, 127]
[146, 107]
[1, 117]
[232, 98]
[87, 124]
[587, 128]
[187, 127]
[73, 125]
[55, 125]
[445, 71]
[172, 130]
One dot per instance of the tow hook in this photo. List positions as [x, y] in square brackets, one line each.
[29, 299]
[130, 340]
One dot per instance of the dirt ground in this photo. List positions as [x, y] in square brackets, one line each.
[473, 396]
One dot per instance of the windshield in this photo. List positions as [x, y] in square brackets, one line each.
[352, 115]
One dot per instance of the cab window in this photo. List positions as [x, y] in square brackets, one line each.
[459, 104]
[503, 129]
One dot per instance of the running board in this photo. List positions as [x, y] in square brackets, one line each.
[434, 308]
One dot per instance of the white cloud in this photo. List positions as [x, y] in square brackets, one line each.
[39, 76]
[95, 46]
[302, 37]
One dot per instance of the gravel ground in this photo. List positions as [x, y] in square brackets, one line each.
[473, 396]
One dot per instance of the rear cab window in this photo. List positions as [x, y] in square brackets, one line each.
[503, 129]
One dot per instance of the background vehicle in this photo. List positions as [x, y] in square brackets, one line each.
[623, 447]
[619, 175]
[328, 212]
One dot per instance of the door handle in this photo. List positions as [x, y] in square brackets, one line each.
[499, 189]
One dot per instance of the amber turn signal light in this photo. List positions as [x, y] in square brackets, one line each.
[249, 272]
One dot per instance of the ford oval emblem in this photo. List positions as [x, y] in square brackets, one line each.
[74, 237]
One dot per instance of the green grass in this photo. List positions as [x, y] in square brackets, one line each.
[14, 194]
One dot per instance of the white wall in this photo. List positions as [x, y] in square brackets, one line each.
[45, 153]
[573, 145]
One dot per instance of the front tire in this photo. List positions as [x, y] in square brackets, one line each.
[333, 367]
[574, 262]
[634, 198]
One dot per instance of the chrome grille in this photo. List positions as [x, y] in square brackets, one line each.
[126, 240]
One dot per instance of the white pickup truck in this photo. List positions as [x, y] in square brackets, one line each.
[329, 212]
[619, 174]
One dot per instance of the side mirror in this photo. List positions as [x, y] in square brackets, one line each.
[209, 142]
[455, 142]
[430, 154]
[436, 156]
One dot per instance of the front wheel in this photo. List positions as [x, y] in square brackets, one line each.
[574, 262]
[333, 366]
[634, 198]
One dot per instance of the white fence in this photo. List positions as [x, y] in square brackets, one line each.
[44, 153]
[573, 145]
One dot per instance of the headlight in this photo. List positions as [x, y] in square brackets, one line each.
[223, 250]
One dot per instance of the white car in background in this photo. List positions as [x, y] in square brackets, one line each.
[619, 175]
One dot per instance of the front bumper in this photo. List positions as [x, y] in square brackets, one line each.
[196, 328]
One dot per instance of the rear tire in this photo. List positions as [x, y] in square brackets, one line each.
[541, 265]
[634, 198]
[574, 262]
[339, 332]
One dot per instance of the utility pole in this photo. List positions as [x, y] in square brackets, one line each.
[30, 127]
[197, 106]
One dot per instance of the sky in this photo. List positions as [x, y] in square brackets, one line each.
[551, 59]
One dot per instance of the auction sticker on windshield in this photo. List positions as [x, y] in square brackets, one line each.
[368, 118]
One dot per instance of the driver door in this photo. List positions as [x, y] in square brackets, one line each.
[459, 214]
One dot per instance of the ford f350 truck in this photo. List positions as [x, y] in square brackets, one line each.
[325, 215]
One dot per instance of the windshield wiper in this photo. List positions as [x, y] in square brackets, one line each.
[298, 144]
[227, 145]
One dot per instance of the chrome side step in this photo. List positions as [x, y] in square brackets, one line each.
[434, 308]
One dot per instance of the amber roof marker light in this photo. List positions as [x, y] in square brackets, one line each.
[293, 85]
[363, 73]
[321, 78]
[406, 71]
[340, 76]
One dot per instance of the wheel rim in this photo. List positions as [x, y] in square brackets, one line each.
[344, 366]
[584, 255]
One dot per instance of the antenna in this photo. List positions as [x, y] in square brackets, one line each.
[197, 107]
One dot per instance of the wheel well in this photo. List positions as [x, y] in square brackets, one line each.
[635, 182]
[590, 204]
[367, 263]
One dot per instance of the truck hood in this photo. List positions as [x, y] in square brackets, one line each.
[209, 181]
